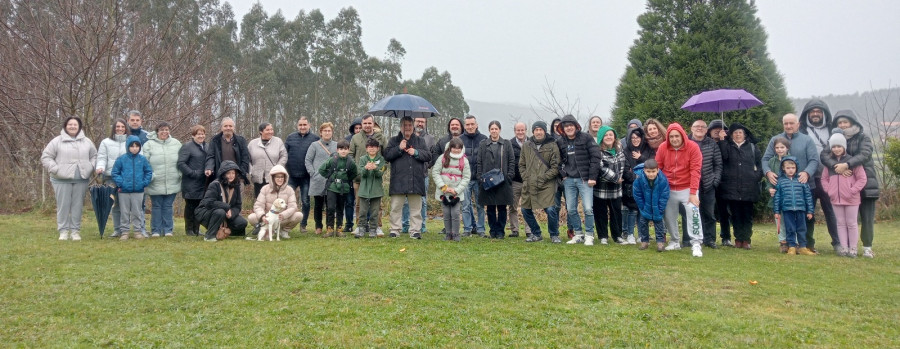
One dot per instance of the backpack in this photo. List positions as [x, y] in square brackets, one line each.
[334, 158]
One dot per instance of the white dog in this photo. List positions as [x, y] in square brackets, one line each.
[274, 223]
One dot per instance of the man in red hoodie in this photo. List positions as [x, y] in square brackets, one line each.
[681, 161]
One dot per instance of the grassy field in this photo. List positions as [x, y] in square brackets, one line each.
[314, 292]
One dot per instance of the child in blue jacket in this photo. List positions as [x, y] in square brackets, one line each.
[132, 173]
[794, 205]
[651, 193]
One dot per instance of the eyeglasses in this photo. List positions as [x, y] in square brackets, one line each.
[698, 126]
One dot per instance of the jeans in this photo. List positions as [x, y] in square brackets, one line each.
[424, 211]
[578, 188]
[552, 221]
[608, 214]
[830, 220]
[302, 183]
[629, 221]
[496, 215]
[644, 229]
[161, 215]
[795, 224]
[469, 219]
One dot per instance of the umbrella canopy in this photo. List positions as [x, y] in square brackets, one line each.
[401, 105]
[102, 199]
[719, 101]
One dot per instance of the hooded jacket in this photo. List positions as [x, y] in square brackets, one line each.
[711, 173]
[579, 156]
[790, 194]
[132, 172]
[297, 145]
[163, 157]
[741, 167]
[681, 166]
[212, 199]
[110, 149]
[629, 176]
[267, 197]
[651, 201]
[860, 149]
[356, 121]
[471, 141]
[241, 153]
[844, 190]
[539, 181]
[68, 158]
[818, 133]
[192, 163]
[625, 139]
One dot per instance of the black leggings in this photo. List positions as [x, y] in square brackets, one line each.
[318, 208]
[334, 209]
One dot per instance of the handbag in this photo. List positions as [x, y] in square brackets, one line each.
[494, 177]
[224, 232]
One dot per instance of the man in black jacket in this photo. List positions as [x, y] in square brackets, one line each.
[517, 142]
[225, 146]
[420, 127]
[579, 167]
[473, 222]
[407, 155]
[710, 176]
[815, 121]
[297, 144]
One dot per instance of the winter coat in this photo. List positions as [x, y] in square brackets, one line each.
[491, 157]
[629, 176]
[110, 149]
[611, 171]
[163, 157]
[241, 153]
[132, 172]
[790, 194]
[471, 143]
[339, 173]
[350, 133]
[819, 134]
[407, 171]
[296, 146]
[844, 190]
[651, 201]
[579, 156]
[69, 158]
[517, 154]
[358, 143]
[539, 181]
[682, 166]
[266, 198]
[741, 169]
[860, 148]
[711, 171]
[802, 147]
[319, 152]
[438, 149]
[370, 181]
[191, 163]
[212, 199]
[140, 133]
[775, 165]
[454, 176]
[264, 157]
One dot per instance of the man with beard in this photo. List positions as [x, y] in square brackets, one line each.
[358, 150]
[408, 157]
[454, 129]
[815, 121]
[473, 223]
[420, 124]
[580, 163]
[517, 143]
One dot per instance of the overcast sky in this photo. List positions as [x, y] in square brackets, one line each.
[502, 51]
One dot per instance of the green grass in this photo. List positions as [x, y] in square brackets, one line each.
[314, 292]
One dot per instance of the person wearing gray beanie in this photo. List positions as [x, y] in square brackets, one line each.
[539, 124]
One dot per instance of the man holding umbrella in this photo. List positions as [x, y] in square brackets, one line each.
[408, 156]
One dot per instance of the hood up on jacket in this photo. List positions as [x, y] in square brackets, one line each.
[278, 169]
[851, 116]
[717, 123]
[674, 126]
[229, 165]
[636, 122]
[357, 121]
[804, 115]
[132, 139]
[785, 159]
[642, 148]
[565, 120]
[748, 135]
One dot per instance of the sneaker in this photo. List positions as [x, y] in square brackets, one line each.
[621, 241]
[555, 239]
[644, 245]
[207, 239]
[576, 240]
[347, 229]
[379, 232]
[514, 234]
[356, 231]
[791, 251]
[604, 241]
[589, 241]
[852, 253]
[250, 238]
[394, 234]
[660, 246]
[339, 233]
[867, 252]
[76, 236]
[168, 235]
[534, 238]
[805, 251]
[372, 234]
[303, 229]
[155, 235]
[712, 245]
[673, 246]
[284, 234]
[64, 235]
[123, 237]
[416, 236]
[358, 234]
[727, 242]
[841, 252]
[139, 236]
[697, 250]
[630, 240]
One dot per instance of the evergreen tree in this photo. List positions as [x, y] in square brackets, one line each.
[689, 46]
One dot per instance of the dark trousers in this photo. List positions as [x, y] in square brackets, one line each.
[334, 209]
[214, 218]
[191, 224]
[830, 220]
[795, 228]
[741, 219]
[496, 216]
[319, 203]
[723, 217]
[707, 208]
[608, 211]
[349, 205]
[302, 184]
[257, 187]
[867, 216]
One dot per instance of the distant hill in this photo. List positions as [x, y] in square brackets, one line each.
[507, 114]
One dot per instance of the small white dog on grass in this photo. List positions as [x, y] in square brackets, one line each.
[272, 224]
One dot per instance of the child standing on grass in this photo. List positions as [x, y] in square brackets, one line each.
[844, 194]
[339, 172]
[782, 149]
[651, 193]
[132, 173]
[794, 205]
[451, 178]
[371, 189]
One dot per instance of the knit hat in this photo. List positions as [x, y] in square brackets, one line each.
[539, 124]
[635, 122]
[717, 123]
[837, 138]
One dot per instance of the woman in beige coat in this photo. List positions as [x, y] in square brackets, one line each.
[290, 217]
[70, 159]
[266, 151]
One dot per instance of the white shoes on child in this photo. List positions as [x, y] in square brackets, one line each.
[697, 250]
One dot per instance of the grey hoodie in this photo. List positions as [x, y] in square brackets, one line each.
[818, 133]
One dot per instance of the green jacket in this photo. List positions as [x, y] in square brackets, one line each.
[370, 181]
[163, 158]
[539, 181]
[338, 172]
[358, 144]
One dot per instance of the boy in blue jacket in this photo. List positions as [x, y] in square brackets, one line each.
[651, 193]
[132, 173]
[794, 205]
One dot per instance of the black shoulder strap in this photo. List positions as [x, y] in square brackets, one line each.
[538, 153]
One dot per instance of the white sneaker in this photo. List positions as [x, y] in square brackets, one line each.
[620, 240]
[631, 240]
[76, 236]
[379, 232]
[284, 234]
[604, 241]
[698, 252]
[867, 252]
[673, 246]
[64, 235]
[577, 239]
[155, 235]
[356, 231]
[168, 235]
[589, 241]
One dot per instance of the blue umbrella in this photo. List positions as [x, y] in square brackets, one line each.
[401, 105]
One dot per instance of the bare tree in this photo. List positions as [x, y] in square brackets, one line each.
[560, 104]
[882, 120]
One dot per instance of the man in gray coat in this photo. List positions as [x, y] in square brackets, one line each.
[815, 121]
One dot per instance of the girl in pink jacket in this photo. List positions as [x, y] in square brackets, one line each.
[843, 189]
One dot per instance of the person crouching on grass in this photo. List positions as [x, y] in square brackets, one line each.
[340, 172]
[132, 173]
[651, 193]
[370, 168]
[451, 178]
[793, 204]
[844, 193]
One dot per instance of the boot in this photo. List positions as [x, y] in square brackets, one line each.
[791, 251]
[318, 231]
[805, 251]
[644, 245]
[784, 246]
[660, 246]
[329, 232]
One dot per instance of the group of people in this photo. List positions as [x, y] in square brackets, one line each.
[650, 176]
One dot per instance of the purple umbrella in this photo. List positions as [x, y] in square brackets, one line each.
[720, 101]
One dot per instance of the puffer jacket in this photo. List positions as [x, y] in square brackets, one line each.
[580, 155]
[297, 145]
[711, 172]
[370, 181]
[651, 201]
[267, 196]
[682, 166]
[163, 157]
[407, 171]
[212, 199]
[741, 168]
[453, 176]
[790, 194]
[775, 165]
[68, 158]
[110, 149]
[471, 143]
[860, 148]
[844, 190]
[264, 157]
[319, 152]
[539, 180]
[191, 163]
[495, 155]
[132, 172]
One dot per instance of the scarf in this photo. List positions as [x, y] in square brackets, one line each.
[851, 131]
[655, 142]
